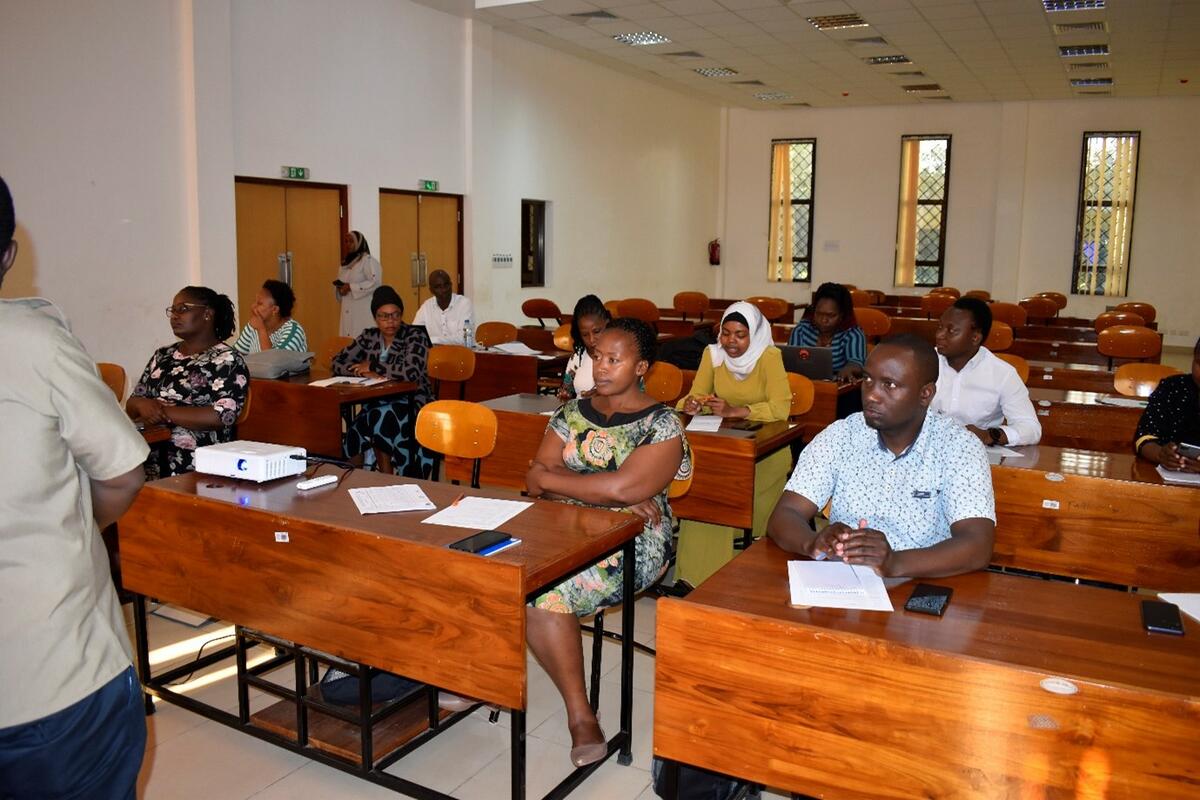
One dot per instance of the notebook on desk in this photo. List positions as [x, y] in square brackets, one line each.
[815, 363]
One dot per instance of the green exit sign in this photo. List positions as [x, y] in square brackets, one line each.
[427, 186]
[295, 173]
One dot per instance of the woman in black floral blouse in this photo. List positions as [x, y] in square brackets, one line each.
[399, 352]
[196, 385]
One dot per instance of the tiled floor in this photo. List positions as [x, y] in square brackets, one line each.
[188, 756]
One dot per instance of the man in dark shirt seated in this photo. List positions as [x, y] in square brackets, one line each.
[1172, 418]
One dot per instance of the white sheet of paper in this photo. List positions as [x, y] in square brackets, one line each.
[1174, 476]
[1124, 402]
[386, 499]
[1004, 451]
[705, 422]
[836, 584]
[516, 348]
[1189, 603]
[483, 513]
[348, 379]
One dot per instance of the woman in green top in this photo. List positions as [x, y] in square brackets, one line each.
[740, 377]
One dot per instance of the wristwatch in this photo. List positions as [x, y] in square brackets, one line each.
[995, 434]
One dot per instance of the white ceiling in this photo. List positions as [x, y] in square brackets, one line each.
[976, 50]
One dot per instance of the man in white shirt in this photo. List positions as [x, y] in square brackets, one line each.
[980, 390]
[448, 317]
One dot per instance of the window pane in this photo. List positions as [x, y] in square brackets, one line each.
[800, 271]
[791, 209]
[920, 223]
[1105, 220]
[800, 216]
[801, 164]
[931, 181]
[929, 233]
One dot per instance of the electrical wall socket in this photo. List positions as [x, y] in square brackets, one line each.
[502, 260]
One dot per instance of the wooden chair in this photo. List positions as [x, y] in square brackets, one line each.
[950, 290]
[450, 362]
[694, 303]
[1039, 308]
[1009, 313]
[332, 346]
[803, 394]
[1143, 310]
[850, 287]
[113, 376]
[490, 334]
[934, 305]
[861, 298]
[541, 309]
[1128, 341]
[1000, 337]
[979, 294]
[875, 323]
[1059, 298]
[1019, 364]
[614, 308]
[562, 338]
[639, 308]
[664, 382]
[773, 308]
[1110, 318]
[1140, 380]
[457, 429]
[878, 298]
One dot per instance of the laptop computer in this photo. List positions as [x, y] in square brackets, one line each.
[815, 363]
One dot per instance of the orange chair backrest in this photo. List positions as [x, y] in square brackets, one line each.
[861, 298]
[614, 308]
[333, 345]
[1139, 379]
[692, 304]
[1000, 337]
[950, 290]
[877, 297]
[562, 338]
[850, 287]
[1040, 307]
[540, 308]
[664, 382]
[639, 308]
[113, 376]
[875, 323]
[979, 294]
[450, 362]
[490, 334]
[1009, 313]
[680, 486]
[803, 394]
[934, 305]
[1110, 318]
[245, 412]
[772, 308]
[457, 428]
[1143, 310]
[1019, 364]
[1059, 298]
[1129, 341]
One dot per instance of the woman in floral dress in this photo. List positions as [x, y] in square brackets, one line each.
[197, 385]
[616, 449]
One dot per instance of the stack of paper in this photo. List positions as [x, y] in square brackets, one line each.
[385, 499]
[1174, 476]
[481, 513]
[1124, 402]
[516, 349]
[705, 422]
[347, 379]
[836, 584]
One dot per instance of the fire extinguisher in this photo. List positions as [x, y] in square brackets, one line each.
[714, 252]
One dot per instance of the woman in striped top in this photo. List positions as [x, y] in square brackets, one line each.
[271, 324]
[829, 322]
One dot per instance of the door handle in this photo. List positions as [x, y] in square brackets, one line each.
[289, 268]
[414, 270]
[424, 267]
[282, 258]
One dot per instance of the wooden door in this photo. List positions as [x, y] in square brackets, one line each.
[438, 237]
[314, 240]
[261, 236]
[398, 243]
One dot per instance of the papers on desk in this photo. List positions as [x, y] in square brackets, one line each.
[836, 584]
[996, 452]
[386, 499]
[1124, 402]
[516, 349]
[346, 379]
[481, 513]
[1188, 603]
[1182, 478]
[705, 422]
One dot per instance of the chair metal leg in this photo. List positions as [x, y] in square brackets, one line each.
[597, 656]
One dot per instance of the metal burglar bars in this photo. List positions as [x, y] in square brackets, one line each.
[792, 176]
[921, 220]
[1104, 223]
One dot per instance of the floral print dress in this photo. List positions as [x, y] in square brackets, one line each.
[216, 377]
[593, 444]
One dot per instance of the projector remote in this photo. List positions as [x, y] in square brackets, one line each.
[313, 483]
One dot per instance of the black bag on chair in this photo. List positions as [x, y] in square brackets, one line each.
[697, 784]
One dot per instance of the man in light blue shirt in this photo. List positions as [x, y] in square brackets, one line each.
[910, 492]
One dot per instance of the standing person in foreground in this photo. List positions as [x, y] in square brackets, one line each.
[910, 492]
[976, 387]
[447, 317]
[1172, 418]
[72, 723]
[359, 276]
[271, 325]
[617, 449]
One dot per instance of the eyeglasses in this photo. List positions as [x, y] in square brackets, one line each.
[183, 308]
[385, 316]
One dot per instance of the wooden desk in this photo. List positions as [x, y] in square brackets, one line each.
[1082, 352]
[911, 312]
[831, 401]
[289, 411]
[925, 328]
[1070, 377]
[1094, 515]
[153, 434]
[1055, 333]
[498, 374]
[1079, 419]
[862, 704]
[380, 589]
[903, 300]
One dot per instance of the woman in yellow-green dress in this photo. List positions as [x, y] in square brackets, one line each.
[740, 377]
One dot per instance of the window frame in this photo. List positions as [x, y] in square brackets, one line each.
[538, 279]
[810, 202]
[940, 263]
[1082, 206]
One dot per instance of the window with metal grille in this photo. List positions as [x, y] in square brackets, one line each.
[789, 254]
[1104, 225]
[921, 221]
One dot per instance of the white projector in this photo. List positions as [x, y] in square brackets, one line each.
[253, 461]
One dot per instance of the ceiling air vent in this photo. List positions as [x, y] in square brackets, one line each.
[770, 97]
[866, 40]
[685, 54]
[912, 73]
[1086, 66]
[1072, 5]
[749, 83]
[837, 22]
[917, 88]
[601, 14]
[1080, 27]
[1078, 50]
[1105, 92]
[1091, 81]
[641, 38]
[798, 105]
[716, 72]
[896, 59]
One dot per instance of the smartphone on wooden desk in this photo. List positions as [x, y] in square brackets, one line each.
[745, 425]
[485, 543]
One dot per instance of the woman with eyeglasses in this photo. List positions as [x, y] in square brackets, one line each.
[393, 351]
[196, 385]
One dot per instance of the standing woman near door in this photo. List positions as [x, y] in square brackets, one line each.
[360, 275]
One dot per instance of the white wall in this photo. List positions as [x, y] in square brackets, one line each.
[1014, 179]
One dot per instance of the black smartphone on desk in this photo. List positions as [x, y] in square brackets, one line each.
[745, 425]
[1188, 450]
[485, 543]
[929, 599]
[1160, 617]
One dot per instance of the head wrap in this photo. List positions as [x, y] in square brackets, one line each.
[760, 340]
[360, 247]
[384, 296]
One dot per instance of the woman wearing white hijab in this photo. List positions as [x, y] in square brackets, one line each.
[358, 278]
[740, 377]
